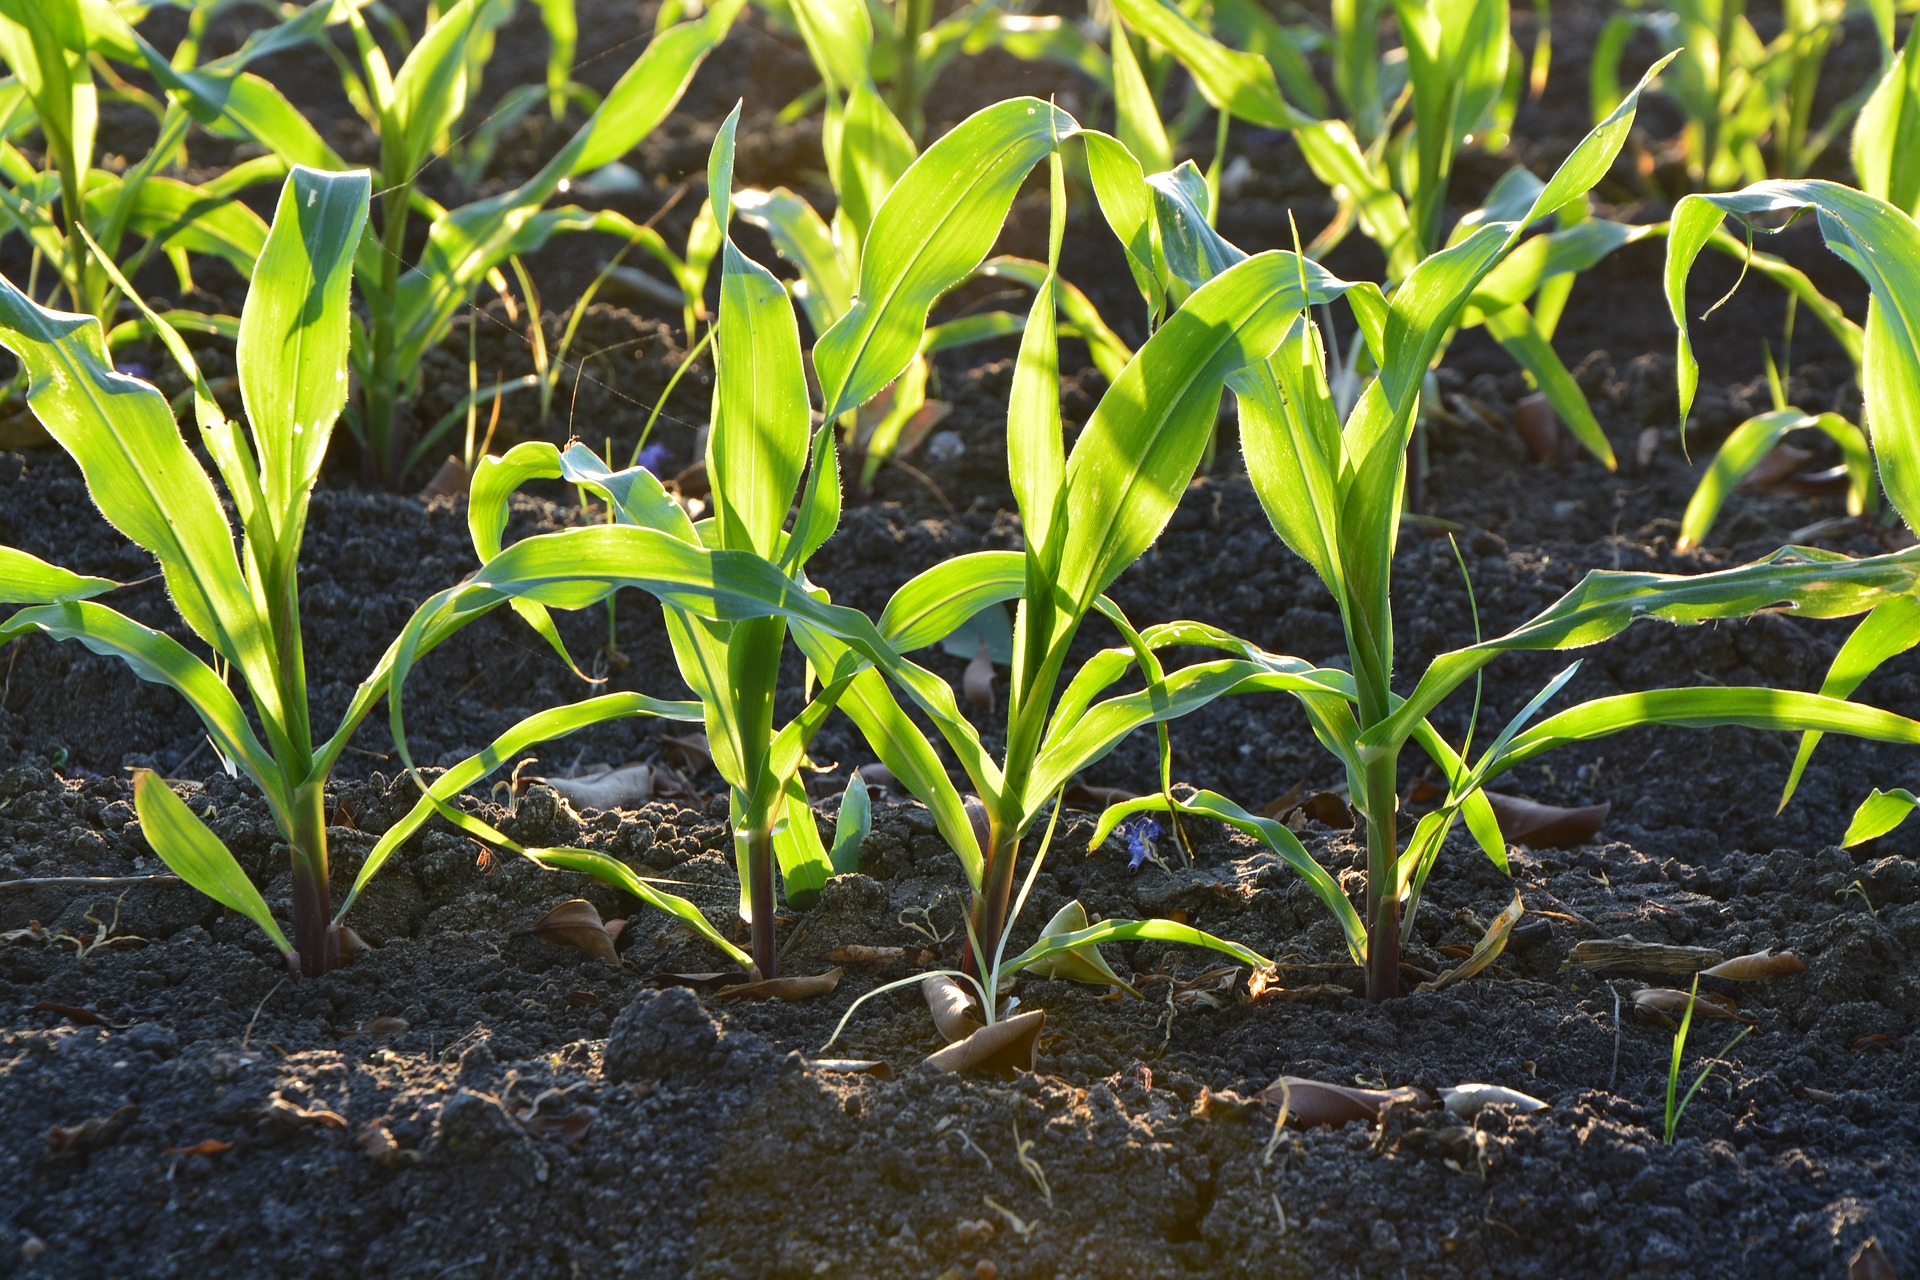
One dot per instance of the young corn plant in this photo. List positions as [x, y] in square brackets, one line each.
[1461, 79]
[77, 216]
[1881, 241]
[1332, 490]
[292, 359]
[1749, 102]
[409, 307]
[1089, 516]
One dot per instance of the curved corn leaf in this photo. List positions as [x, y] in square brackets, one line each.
[1751, 708]
[1878, 814]
[1883, 245]
[618, 874]
[1892, 628]
[932, 232]
[851, 828]
[27, 579]
[196, 855]
[1809, 583]
[1131, 931]
[1285, 845]
[1886, 136]
[1241, 84]
[430, 91]
[1749, 443]
[542, 726]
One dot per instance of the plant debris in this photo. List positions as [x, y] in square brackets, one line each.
[1313, 1103]
[575, 923]
[1546, 826]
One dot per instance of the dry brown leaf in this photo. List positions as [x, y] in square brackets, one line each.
[1870, 1262]
[951, 1006]
[878, 775]
[91, 1134]
[1645, 446]
[626, 787]
[702, 981]
[1487, 950]
[1222, 1105]
[1546, 826]
[692, 751]
[450, 481]
[878, 1068]
[204, 1147]
[1605, 955]
[1667, 1006]
[1311, 1103]
[861, 953]
[1466, 1100]
[978, 681]
[577, 924]
[582, 999]
[351, 943]
[569, 1128]
[387, 1026]
[281, 1113]
[807, 988]
[1329, 809]
[1005, 1048]
[1539, 427]
[1274, 808]
[378, 1142]
[79, 1014]
[1085, 795]
[1756, 966]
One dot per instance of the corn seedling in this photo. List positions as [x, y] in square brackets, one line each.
[1882, 243]
[292, 349]
[408, 309]
[75, 213]
[1088, 517]
[1677, 1104]
[1332, 491]
[1748, 102]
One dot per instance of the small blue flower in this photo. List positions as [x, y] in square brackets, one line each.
[654, 459]
[1141, 832]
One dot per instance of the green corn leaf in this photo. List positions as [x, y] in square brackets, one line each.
[1878, 814]
[176, 215]
[1810, 583]
[1137, 452]
[762, 422]
[1137, 115]
[1457, 63]
[1285, 845]
[1125, 203]
[1883, 245]
[1241, 84]
[819, 513]
[1515, 330]
[1749, 443]
[196, 855]
[618, 874]
[141, 474]
[805, 866]
[936, 602]
[1751, 708]
[851, 828]
[45, 44]
[1079, 964]
[1036, 453]
[27, 579]
[1249, 26]
[870, 149]
[1110, 354]
[1131, 931]
[1892, 628]
[799, 235]
[543, 726]
[932, 232]
[1886, 136]
[430, 91]
[292, 348]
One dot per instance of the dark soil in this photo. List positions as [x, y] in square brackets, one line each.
[466, 1100]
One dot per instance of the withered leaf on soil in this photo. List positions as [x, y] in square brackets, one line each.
[1870, 1262]
[90, 1134]
[626, 787]
[450, 481]
[383, 1026]
[570, 1128]
[978, 681]
[1487, 950]
[693, 751]
[702, 981]
[79, 1014]
[1667, 1006]
[860, 953]
[204, 1147]
[1606, 955]
[1005, 1048]
[281, 1113]
[1467, 1100]
[575, 924]
[1311, 1103]
[1546, 826]
[878, 1068]
[1085, 795]
[1757, 966]
[807, 988]
[1538, 427]
[951, 1006]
